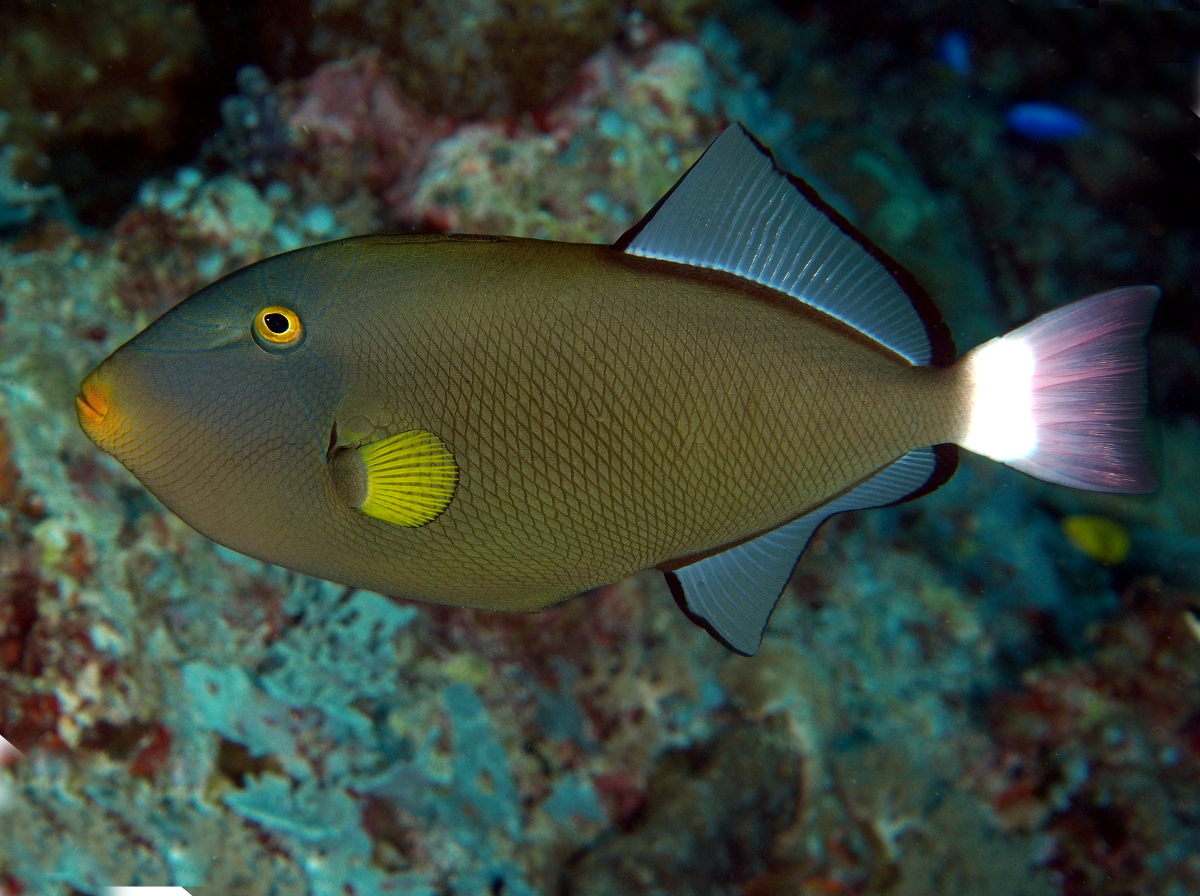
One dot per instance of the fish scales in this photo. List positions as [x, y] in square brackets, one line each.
[609, 416]
[503, 423]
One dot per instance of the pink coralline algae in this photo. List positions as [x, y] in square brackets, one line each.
[584, 169]
[364, 133]
[474, 58]
[1104, 753]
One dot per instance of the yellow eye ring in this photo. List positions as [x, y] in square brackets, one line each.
[276, 327]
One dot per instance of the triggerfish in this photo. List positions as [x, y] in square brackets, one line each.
[503, 423]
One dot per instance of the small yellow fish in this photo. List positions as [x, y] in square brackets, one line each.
[1102, 539]
[504, 423]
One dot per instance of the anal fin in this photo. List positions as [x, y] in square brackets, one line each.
[733, 593]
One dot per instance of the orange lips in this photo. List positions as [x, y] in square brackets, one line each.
[91, 403]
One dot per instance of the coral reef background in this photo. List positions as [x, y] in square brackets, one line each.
[995, 689]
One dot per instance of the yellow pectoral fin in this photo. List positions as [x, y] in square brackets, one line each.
[407, 479]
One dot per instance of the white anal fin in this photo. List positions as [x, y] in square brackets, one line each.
[736, 211]
[732, 594]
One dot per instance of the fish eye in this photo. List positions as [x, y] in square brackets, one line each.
[278, 329]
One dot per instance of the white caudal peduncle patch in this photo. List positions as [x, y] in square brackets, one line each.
[1062, 397]
[1002, 423]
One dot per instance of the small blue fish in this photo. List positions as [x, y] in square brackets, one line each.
[954, 51]
[1046, 122]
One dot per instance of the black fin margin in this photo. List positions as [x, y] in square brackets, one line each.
[945, 457]
[681, 601]
[945, 464]
[942, 351]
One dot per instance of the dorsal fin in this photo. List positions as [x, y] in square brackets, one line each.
[735, 210]
[732, 594]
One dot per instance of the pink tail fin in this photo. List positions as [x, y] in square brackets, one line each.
[1062, 398]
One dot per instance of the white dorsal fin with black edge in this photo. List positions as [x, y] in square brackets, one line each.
[732, 594]
[735, 210]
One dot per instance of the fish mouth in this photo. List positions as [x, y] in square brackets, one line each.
[92, 402]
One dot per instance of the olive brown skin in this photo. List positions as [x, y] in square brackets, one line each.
[607, 413]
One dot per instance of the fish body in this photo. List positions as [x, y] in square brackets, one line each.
[1105, 541]
[504, 423]
[1046, 122]
[954, 50]
[608, 413]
